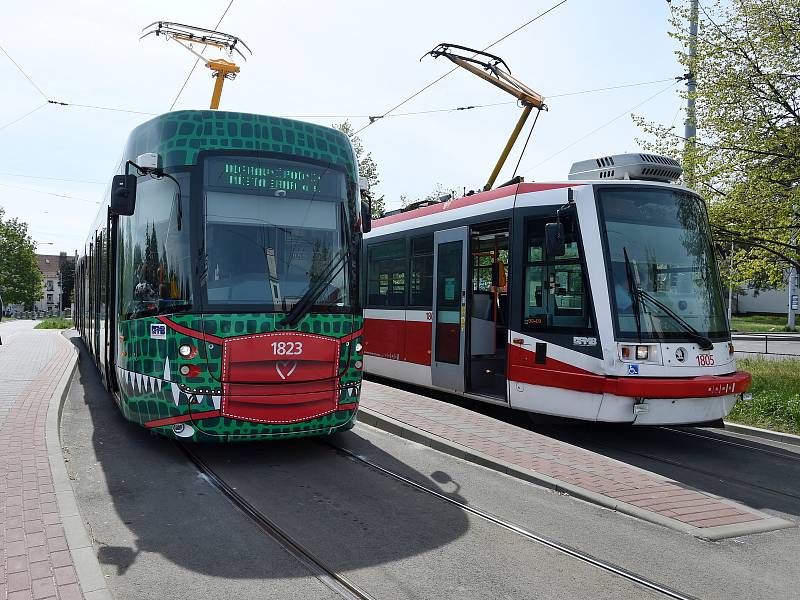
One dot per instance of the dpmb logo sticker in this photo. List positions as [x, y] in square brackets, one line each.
[158, 331]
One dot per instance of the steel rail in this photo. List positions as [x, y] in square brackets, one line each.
[526, 533]
[715, 475]
[787, 454]
[324, 573]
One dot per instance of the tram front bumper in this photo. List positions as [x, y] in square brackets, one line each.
[675, 411]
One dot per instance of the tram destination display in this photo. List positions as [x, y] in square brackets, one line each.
[266, 176]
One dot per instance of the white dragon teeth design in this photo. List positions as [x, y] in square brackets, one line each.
[216, 400]
[176, 394]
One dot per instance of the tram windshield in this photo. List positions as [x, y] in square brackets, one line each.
[659, 241]
[272, 229]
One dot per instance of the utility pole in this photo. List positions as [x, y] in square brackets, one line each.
[730, 287]
[691, 86]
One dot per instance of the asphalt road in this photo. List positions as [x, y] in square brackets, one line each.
[162, 530]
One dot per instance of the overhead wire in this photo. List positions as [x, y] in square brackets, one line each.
[27, 114]
[2, 174]
[374, 119]
[18, 187]
[123, 110]
[31, 81]
[197, 60]
[604, 125]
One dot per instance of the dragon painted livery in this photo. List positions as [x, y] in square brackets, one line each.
[222, 302]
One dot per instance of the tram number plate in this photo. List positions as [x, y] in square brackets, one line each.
[287, 348]
[705, 360]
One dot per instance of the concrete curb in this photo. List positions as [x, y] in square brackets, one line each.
[767, 434]
[400, 429]
[87, 567]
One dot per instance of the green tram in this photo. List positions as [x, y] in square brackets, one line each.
[218, 289]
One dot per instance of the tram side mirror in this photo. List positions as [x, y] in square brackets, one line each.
[123, 194]
[554, 239]
[366, 217]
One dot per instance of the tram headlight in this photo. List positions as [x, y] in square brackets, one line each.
[642, 352]
[187, 351]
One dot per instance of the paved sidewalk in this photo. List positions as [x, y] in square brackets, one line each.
[35, 559]
[558, 465]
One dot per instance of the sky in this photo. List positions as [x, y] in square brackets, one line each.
[324, 62]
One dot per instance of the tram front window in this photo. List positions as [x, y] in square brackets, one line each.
[659, 241]
[265, 248]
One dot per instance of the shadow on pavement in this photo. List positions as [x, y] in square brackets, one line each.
[352, 516]
[760, 476]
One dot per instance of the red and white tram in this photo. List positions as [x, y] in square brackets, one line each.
[597, 298]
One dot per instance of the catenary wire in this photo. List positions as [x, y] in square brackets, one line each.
[33, 83]
[123, 110]
[475, 106]
[2, 174]
[438, 79]
[17, 187]
[604, 125]
[27, 114]
[197, 60]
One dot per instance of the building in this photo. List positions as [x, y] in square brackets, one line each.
[50, 266]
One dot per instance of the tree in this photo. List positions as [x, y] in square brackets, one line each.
[67, 277]
[746, 160]
[367, 167]
[20, 277]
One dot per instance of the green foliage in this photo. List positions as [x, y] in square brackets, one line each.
[20, 278]
[746, 160]
[54, 324]
[761, 323]
[367, 167]
[67, 270]
[776, 395]
[435, 194]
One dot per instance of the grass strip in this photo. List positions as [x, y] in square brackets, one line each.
[54, 324]
[776, 395]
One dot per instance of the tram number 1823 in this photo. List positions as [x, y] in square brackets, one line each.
[287, 348]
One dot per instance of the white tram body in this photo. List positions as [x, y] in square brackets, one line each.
[615, 314]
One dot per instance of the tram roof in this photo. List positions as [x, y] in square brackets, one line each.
[505, 192]
[179, 136]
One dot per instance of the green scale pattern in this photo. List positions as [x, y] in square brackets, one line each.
[147, 392]
[179, 136]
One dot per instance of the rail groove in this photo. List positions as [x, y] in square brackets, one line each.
[531, 535]
[324, 573]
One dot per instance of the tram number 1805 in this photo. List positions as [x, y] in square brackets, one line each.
[705, 360]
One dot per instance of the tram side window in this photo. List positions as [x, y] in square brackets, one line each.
[421, 280]
[386, 278]
[555, 294]
[155, 261]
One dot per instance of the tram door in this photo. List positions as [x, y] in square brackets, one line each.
[450, 251]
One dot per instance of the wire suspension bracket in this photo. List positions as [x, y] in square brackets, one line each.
[188, 35]
[494, 69]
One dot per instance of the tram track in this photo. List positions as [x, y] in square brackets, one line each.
[333, 580]
[786, 454]
[675, 463]
[542, 540]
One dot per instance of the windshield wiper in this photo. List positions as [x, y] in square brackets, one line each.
[637, 316]
[306, 301]
[702, 341]
[638, 294]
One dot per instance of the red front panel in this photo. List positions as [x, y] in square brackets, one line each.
[522, 367]
[279, 377]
